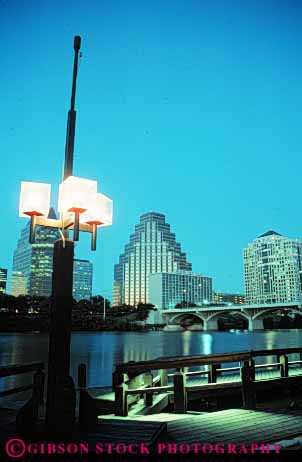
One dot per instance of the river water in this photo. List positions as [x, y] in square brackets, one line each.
[102, 350]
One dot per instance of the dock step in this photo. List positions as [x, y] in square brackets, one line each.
[160, 402]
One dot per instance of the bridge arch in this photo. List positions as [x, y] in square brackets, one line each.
[213, 318]
[217, 313]
[261, 314]
[180, 317]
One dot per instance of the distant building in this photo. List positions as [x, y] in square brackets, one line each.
[234, 299]
[152, 249]
[183, 287]
[3, 280]
[82, 279]
[33, 262]
[273, 270]
[18, 284]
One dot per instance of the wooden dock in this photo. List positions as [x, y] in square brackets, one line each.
[149, 401]
[240, 426]
[231, 426]
[148, 387]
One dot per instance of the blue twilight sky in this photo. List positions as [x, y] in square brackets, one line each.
[192, 108]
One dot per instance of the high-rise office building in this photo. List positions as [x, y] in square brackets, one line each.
[18, 284]
[152, 249]
[166, 290]
[82, 279]
[3, 280]
[32, 263]
[234, 299]
[272, 269]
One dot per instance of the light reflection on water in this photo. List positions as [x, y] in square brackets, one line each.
[100, 351]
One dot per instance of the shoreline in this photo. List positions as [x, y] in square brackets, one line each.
[147, 329]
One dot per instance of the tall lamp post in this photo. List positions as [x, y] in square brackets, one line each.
[81, 208]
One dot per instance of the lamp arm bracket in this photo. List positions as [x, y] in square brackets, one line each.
[63, 238]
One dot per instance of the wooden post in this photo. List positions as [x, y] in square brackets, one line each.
[120, 388]
[163, 377]
[212, 376]
[180, 397]
[28, 416]
[38, 393]
[283, 366]
[248, 393]
[148, 382]
[82, 376]
[121, 401]
[38, 386]
[117, 379]
[252, 369]
[82, 386]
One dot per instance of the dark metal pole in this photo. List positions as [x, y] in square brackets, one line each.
[60, 408]
[71, 121]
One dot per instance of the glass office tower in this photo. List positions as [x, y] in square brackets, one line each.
[82, 279]
[152, 249]
[3, 280]
[32, 263]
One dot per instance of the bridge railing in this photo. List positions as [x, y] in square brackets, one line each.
[177, 385]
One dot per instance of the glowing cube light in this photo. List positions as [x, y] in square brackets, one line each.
[76, 194]
[99, 212]
[34, 199]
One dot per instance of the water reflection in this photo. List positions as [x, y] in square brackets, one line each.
[207, 344]
[101, 351]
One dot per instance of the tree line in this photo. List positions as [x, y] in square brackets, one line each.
[26, 312]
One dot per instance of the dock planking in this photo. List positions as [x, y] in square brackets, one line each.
[117, 431]
[240, 426]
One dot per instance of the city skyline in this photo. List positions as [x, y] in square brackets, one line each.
[192, 111]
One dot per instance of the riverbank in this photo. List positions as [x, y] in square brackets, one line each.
[91, 323]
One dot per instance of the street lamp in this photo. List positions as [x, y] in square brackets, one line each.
[104, 306]
[34, 202]
[81, 208]
[185, 291]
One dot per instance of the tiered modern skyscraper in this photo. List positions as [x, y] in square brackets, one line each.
[272, 269]
[152, 249]
[82, 279]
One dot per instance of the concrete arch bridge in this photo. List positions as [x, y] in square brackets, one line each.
[206, 318]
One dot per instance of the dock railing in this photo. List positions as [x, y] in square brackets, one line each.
[177, 383]
[28, 415]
